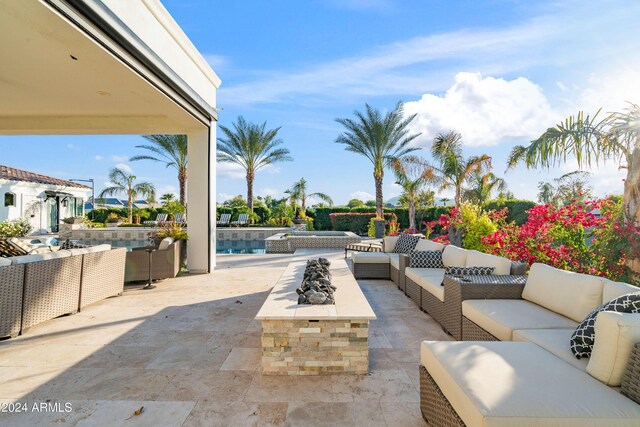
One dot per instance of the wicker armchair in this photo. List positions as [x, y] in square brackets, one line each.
[165, 263]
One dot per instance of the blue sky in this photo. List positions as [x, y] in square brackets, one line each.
[498, 71]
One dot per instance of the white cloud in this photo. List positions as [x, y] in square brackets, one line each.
[120, 159]
[605, 178]
[216, 62]
[230, 170]
[222, 197]
[264, 192]
[568, 37]
[72, 146]
[485, 110]
[167, 189]
[125, 167]
[99, 158]
[362, 195]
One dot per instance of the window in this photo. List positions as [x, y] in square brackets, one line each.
[9, 199]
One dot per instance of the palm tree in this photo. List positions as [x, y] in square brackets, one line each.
[546, 193]
[616, 137]
[411, 176]
[125, 183]
[252, 147]
[453, 169]
[569, 188]
[172, 151]
[445, 200]
[591, 141]
[298, 192]
[380, 139]
[482, 186]
[167, 198]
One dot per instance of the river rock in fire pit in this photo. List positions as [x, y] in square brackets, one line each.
[316, 285]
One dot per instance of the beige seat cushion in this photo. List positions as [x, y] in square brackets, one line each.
[555, 341]
[571, 294]
[429, 279]
[394, 260]
[390, 243]
[500, 317]
[612, 290]
[616, 334]
[502, 266]
[370, 258]
[520, 384]
[428, 245]
[454, 256]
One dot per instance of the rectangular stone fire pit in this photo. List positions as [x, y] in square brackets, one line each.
[315, 339]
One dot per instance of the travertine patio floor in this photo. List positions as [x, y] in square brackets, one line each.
[189, 352]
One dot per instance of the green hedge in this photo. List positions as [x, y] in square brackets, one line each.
[357, 222]
[517, 208]
[322, 221]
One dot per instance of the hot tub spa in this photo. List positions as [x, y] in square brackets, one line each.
[287, 243]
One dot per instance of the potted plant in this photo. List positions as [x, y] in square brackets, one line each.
[113, 218]
[73, 220]
[300, 217]
[379, 224]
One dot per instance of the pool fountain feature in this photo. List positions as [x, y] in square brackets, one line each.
[288, 243]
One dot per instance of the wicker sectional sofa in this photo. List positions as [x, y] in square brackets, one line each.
[515, 366]
[39, 287]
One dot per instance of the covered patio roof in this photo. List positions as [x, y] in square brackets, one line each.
[112, 67]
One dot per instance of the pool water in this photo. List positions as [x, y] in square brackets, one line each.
[240, 247]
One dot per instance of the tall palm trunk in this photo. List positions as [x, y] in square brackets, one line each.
[130, 202]
[378, 176]
[631, 199]
[182, 179]
[458, 197]
[250, 177]
[412, 213]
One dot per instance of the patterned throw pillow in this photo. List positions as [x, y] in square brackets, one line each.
[426, 259]
[406, 243]
[469, 271]
[583, 337]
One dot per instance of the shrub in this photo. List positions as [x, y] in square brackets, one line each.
[280, 222]
[169, 229]
[355, 222]
[467, 225]
[18, 227]
[517, 209]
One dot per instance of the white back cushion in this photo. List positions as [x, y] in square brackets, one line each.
[612, 290]
[4, 261]
[502, 266]
[390, 243]
[99, 248]
[165, 243]
[428, 245]
[454, 256]
[616, 334]
[571, 294]
[24, 259]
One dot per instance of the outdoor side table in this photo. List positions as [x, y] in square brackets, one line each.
[458, 289]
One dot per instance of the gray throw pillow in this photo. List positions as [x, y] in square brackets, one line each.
[584, 336]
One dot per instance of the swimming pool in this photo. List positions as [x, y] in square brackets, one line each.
[238, 247]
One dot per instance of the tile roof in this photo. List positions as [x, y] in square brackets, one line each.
[14, 174]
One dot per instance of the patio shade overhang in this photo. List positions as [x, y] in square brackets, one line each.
[112, 67]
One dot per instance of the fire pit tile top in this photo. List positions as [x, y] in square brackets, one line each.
[350, 302]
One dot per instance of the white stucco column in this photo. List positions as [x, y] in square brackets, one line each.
[201, 202]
